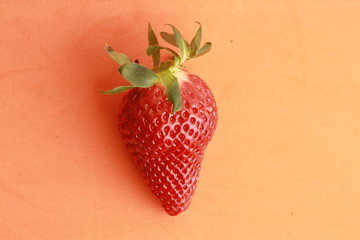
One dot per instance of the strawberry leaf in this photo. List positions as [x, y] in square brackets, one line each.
[206, 48]
[118, 89]
[173, 92]
[153, 48]
[138, 75]
[195, 42]
[153, 41]
[162, 67]
[120, 58]
[183, 45]
[169, 38]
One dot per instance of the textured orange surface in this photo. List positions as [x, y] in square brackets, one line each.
[283, 164]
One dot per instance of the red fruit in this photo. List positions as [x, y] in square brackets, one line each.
[167, 123]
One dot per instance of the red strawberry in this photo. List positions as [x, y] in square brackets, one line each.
[167, 119]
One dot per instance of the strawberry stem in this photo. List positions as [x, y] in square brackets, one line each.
[167, 72]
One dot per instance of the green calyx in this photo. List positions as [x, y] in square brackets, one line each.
[167, 72]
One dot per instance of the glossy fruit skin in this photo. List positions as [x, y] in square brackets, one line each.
[168, 149]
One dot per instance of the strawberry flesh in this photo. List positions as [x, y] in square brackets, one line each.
[168, 148]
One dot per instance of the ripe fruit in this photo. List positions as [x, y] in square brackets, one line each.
[167, 118]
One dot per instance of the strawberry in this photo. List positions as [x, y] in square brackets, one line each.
[167, 118]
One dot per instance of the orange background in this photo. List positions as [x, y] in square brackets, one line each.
[283, 164]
